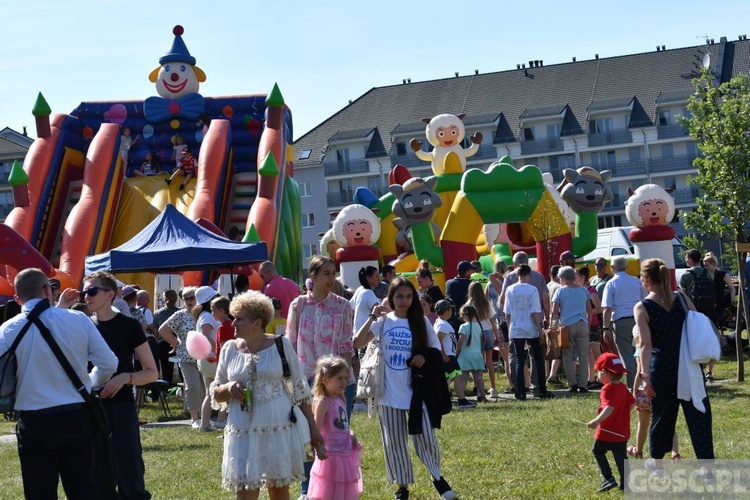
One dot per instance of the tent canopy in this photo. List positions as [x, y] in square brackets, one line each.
[171, 243]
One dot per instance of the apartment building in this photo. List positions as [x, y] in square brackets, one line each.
[617, 113]
[13, 146]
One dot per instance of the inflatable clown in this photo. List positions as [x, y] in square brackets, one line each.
[445, 133]
[356, 228]
[650, 209]
[177, 81]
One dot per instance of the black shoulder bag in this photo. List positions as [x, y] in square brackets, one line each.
[9, 364]
[94, 404]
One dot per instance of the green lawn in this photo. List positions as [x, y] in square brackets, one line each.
[505, 449]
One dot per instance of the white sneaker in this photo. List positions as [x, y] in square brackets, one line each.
[196, 424]
[494, 394]
[652, 466]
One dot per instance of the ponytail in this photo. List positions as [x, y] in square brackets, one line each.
[666, 285]
[364, 273]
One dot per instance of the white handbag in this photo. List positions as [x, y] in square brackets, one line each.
[701, 336]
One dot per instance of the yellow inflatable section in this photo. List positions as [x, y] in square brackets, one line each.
[141, 201]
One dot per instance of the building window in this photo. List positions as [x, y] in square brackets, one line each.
[528, 133]
[634, 154]
[401, 148]
[600, 125]
[308, 220]
[305, 154]
[560, 162]
[667, 151]
[603, 158]
[342, 156]
[692, 149]
[665, 118]
[305, 189]
[309, 250]
[670, 181]
[373, 184]
[553, 130]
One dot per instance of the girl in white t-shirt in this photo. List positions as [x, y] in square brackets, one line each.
[400, 333]
[448, 341]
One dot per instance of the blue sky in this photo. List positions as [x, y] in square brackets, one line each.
[321, 53]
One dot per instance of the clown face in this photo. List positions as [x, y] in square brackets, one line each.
[653, 212]
[358, 233]
[176, 79]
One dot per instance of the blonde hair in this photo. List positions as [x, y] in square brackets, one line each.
[252, 305]
[658, 275]
[710, 258]
[328, 366]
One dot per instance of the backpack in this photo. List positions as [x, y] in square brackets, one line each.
[702, 291]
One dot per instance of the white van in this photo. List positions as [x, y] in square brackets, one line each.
[614, 241]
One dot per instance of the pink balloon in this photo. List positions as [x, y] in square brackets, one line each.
[198, 345]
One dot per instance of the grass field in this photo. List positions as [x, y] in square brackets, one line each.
[504, 449]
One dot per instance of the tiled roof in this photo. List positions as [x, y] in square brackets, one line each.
[398, 108]
[8, 147]
[346, 135]
[549, 111]
[675, 96]
[617, 103]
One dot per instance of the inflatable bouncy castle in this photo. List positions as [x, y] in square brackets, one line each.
[460, 214]
[82, 199]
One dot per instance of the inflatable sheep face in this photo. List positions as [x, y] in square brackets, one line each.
[445, 133]
[586, 190]
[329, 245]
[356, 225]
[649, 205]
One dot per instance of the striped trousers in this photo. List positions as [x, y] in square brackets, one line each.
[395, 434]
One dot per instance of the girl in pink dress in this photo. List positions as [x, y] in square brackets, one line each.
[338, 477]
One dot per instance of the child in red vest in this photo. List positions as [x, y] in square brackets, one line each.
[613, 421]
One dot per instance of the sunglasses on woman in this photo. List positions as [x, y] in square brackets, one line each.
[92, 291]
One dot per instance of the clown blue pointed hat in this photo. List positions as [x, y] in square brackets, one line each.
[179, 51]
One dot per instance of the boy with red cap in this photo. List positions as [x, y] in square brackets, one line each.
[613, 420]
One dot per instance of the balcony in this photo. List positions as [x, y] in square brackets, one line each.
[545, 145]
[617, 204]
[408, 160]
[486, 152]
[682, 162]
[345, 167]
[339, 198]
[685, 195]
[669, 131]
[611, 137]
[634, 167]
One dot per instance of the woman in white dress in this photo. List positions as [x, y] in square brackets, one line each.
[261, 447]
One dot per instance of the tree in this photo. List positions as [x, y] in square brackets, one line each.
[720, 125]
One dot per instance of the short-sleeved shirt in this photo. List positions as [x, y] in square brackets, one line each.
[687, 278]
[573, 301]
[122, 335]
[283, 289]
[362, 301]
[521, 301]
[457, 290]
[622, 293]
[621, 399]
[449, 341]
[181, 323]
[600, 283]
[536, 280]
[395, 341]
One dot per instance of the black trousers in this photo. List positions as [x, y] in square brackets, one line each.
[537, 357]
[664, 408]
[619, 451]
[167, 368]
[56, 444]
[125, 453]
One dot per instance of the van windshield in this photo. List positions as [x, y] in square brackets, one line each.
[679, 256]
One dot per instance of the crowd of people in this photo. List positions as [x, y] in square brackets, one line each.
[282, 348]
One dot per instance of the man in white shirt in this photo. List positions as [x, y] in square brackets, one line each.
[523, 311]
[55, 433]
[621, 294]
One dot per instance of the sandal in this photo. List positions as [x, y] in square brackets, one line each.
[676, 456]
[633, 452]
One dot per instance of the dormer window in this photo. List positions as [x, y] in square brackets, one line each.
[528, 133]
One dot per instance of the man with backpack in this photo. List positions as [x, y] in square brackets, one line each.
[697, 284]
